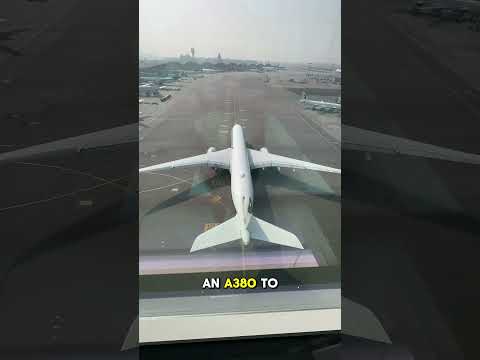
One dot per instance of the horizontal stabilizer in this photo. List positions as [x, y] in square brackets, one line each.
[262, 230]
[224, 233]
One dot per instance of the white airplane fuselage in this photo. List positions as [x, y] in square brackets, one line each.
[241, 182]
[321, 104]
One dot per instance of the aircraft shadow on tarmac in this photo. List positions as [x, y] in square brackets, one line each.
[260, 179]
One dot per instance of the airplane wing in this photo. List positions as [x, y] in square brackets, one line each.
[219, 159]
[357, 139]
[262, 159]
[103, 138]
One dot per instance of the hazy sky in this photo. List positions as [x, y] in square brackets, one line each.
[275, 30]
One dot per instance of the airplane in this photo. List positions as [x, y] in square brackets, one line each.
[170, 88]
[240, 160]
[320, 105]
[165, 98]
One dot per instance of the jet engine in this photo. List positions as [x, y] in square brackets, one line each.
[264, 150]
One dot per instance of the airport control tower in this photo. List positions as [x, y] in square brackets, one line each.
[192, 51]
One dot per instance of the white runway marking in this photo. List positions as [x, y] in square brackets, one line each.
[167, 175]
[163, 187]
[57, 197]
[73, 171]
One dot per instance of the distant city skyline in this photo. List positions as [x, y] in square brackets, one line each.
[267, 30]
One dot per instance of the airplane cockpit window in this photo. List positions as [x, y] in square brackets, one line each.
[199, 254]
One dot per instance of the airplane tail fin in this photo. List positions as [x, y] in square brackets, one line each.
[262, 230]
[223, 233]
